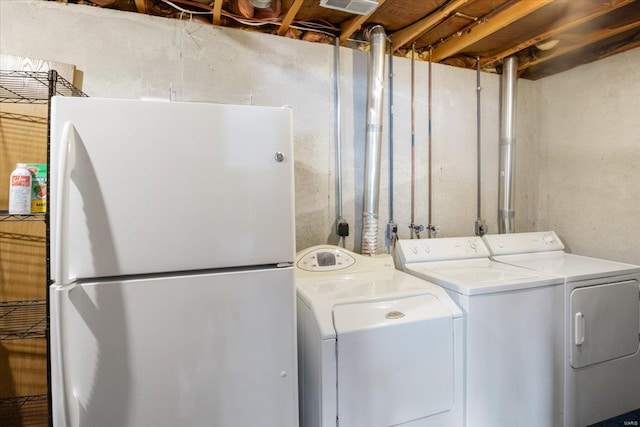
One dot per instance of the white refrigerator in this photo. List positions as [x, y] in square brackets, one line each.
[172, 249]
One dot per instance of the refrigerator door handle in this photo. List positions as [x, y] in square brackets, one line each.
[66, 158]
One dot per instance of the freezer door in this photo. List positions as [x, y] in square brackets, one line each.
[145, 186]
[193, 350]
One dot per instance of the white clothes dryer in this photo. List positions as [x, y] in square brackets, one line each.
[376, 346]
[601, 324]
[513, 330]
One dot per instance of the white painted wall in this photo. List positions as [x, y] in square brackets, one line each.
[589, 181]
[130, 55]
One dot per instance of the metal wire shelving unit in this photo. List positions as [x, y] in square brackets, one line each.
[30, 319]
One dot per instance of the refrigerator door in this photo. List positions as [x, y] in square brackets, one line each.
[147, 186]
[190, 350]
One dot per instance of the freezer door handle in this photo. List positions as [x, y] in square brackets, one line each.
[58, 389]
[66, 158]
[579, 328]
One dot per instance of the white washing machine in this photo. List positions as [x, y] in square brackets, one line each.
[376, 347]
[513, 330]
[601, 324]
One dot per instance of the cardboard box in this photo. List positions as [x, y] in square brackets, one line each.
[38, 187]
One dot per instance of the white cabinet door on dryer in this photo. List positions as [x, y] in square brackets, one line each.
[604, 322]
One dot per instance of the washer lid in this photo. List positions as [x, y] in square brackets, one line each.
[481, 276]
[573, 267]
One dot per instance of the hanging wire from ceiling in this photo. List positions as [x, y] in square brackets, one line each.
[318, 26]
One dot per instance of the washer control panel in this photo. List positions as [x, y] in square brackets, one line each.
[326, 259]
[441, 249]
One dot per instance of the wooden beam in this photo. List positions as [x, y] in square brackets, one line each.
[217, 12]
[553, 32]
[290, 15]
[418, 28]
[484, 29]
[620, 49]
[586, 40]
[351, 26]
[141, 6]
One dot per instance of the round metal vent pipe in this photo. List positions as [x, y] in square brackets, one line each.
[506, 184]
[373, 142]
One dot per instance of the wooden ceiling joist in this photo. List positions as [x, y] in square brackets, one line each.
[141, 6]
[351, 26]
[217, 12]
[289, 17]
[536, 31]
[625, 47]
[586, 40]
[553, 32]
[406, 35]
[484, 29]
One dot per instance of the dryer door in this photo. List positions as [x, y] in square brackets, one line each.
[395, 361]
[604, 321]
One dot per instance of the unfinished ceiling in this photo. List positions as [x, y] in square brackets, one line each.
[547, 36]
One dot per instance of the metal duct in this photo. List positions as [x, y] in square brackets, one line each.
[506, 185]
[373, 142]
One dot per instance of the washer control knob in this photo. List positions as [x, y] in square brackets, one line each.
[394, 315]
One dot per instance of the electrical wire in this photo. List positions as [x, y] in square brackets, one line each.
[323, 27]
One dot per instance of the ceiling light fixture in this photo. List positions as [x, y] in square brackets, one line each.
[547, 45]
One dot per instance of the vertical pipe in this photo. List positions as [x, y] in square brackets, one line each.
[336, 95]
[413, 139]
[391, 219]
[430, 226]
[392, 227]
[478, 146]
[506, 187]
[480, 227]
[373, 142]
